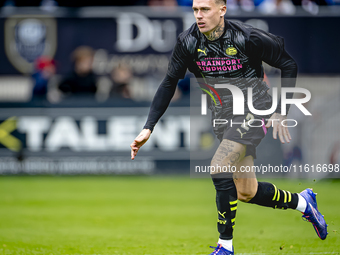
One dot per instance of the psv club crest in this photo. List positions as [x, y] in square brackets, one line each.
[28, 37]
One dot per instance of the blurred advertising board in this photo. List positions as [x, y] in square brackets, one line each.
[144, 38]
[94, 138]
[88, 140]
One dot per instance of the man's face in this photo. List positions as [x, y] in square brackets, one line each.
[208, 14]
[83, 65]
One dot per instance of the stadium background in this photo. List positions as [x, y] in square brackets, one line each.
[75, 134]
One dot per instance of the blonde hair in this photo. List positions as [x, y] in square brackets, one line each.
[224, 2]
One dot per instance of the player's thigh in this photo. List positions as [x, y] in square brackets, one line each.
[245, 179]
[228, 153]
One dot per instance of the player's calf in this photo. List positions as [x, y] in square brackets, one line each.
[268, 195]
[246, 195]
[226, 202]
[245, 181]
[228, 154]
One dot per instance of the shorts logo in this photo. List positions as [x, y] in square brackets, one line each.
[231, 51]
[239, 130]
[204, 51]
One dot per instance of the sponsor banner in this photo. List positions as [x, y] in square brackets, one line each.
[88, 140]
[75, 165]
[144, 39]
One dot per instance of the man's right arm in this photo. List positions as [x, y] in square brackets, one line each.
[176, 70]
[161, 101]
[159, 105]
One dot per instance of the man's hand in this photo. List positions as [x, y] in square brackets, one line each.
[275, 121]
[139, 141]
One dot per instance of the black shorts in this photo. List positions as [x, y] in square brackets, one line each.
[249, 134]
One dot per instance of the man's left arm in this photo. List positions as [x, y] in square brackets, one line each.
[270, 49]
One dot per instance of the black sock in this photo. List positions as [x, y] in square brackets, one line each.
[226, 202]
[270, 196]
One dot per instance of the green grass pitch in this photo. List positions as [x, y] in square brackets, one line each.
[151, 215]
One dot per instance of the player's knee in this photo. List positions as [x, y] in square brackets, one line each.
[221, 165]
[245, 195]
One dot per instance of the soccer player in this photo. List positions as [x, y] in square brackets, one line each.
[242, 49]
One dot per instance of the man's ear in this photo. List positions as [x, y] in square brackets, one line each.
[223, 10]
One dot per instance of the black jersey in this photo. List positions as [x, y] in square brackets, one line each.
[235, 57]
